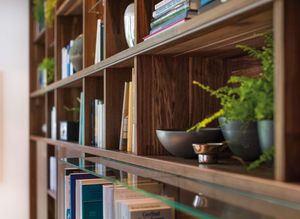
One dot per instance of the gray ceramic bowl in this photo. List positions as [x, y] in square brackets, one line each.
[180, 143]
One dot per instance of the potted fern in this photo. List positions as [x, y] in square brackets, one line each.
[247, 107]
[264, 92]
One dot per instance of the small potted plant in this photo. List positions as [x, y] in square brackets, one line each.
[246, 100]
[46, 72]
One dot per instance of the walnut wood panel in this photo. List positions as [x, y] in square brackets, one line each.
[113, 100]
[69, 7]
[93, 88]
[161, 103]
[42, 182]
[50, 42]
[114, 26]
[90, 28]
[32, 180]
[143, 11]
[211, 72]
[288, 74]
[37, 115]
[67, 28]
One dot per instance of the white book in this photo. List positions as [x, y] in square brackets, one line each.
[100, 110]
[53, 174]
[53, 123]
[98, 42]
[161, 3]
[108, 191]
[69, 60]
[96, 122]
[63, 63]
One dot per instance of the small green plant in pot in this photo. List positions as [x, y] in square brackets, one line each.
[245, 100]
[47, 65]
[264, 91]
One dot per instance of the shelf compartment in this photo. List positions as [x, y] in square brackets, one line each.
[70, 7]
[184, 191]
[239, 179]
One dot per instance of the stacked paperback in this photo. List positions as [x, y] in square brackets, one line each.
[171, 13]
[88, 197]
[98, 123]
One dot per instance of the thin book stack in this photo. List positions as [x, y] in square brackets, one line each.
[171, 13]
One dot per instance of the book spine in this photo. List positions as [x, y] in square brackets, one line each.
[170, 5]
[158, 13]
[93, 122]
[180, 16]
[129, 131]
[170, 15]
[161, 3]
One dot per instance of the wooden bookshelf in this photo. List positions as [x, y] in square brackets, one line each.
[204, 48]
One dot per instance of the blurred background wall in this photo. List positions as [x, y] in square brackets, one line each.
[14, 70]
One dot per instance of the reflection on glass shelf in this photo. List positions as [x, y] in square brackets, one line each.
[180, 197]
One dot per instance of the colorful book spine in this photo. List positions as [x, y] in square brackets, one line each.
[170, 4]
[184, 8]
[183, 15]
[73, 178]
[161, 3]
[129, 131]
[157, 13]
[92, 203]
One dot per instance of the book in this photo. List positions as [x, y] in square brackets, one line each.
[73, 178]
[52, 173]
[93, 123]
[99, 55]
[169, 27]
[124, 120]
[134, 113]
[89, 198]
[191, 4]
[53, 123]
[161, 3]
[67, 206]
[129, 130]
[81, 119]
[184, 11]
[182, 15]
[108, 199]
[173, 3]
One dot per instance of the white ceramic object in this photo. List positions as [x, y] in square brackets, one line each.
[129, 24]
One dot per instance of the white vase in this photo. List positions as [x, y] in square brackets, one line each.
[129, 25]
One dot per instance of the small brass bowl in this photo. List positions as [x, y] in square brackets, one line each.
[208, 153]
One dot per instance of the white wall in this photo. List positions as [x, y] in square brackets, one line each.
[14, 184]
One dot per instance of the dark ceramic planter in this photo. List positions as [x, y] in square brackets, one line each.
[180, 143]
[266, 134]
[242, 138]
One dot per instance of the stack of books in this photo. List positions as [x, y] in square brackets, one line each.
[67, 68]
[171, 13]
[89, 197]
[98, 123]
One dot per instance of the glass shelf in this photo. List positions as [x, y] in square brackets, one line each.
[189, 198]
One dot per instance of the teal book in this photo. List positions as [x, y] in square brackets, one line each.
[92, 201]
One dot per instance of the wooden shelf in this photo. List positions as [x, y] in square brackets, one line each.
[52, 194]
[186, 36]
[70, 7]
[230, 176]
[40, 37]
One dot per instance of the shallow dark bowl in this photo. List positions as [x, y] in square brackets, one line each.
[180, 143]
